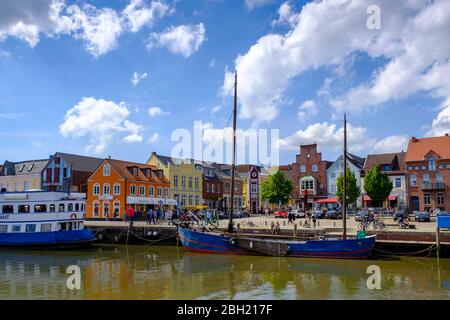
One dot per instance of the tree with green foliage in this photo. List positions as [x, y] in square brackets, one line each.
[378, 185]
[276, 189]
[353, 191]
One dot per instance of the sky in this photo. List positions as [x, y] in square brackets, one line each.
[121, 78]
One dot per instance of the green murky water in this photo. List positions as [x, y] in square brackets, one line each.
[143, 272]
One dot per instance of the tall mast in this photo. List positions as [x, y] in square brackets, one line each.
[233, 164]
[344, 201]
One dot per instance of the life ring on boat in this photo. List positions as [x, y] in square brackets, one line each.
[73, 216]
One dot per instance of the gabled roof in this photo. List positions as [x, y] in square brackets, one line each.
[24, 167]
[357, 161]
[176, 161]
[122, 167]
[80, 163]
[396, 160]
[418, 148]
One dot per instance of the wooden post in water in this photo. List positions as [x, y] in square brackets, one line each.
[438, 241]
[295, 230]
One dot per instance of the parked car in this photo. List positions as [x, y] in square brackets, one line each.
[332, 214]
[299, 214]
[319, 214]
[281, 214]
[443, 213]
[399, 215]
[422, 216]
[361, 215]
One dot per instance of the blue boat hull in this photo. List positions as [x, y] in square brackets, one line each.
[215, 243]
[47, 239]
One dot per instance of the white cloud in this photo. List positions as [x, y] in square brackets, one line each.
[441, 124]
[286, 15]
[137, 78]
[183, 40]
[154, 138]
[100, 120]
[137, 14]
[391, 144]
[251, 4]
[307, 109]
[99, 28]
[327, 33]
[156, 112]
[331, 137]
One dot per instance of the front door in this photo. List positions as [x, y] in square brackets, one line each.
[415, 203]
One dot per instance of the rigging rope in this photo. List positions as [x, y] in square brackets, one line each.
[407, 253]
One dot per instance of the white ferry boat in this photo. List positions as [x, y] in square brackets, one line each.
[43, 219]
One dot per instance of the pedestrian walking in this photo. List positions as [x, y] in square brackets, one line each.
[149, 215]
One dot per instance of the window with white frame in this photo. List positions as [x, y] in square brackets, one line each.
[413, 180]
[96, 209]
[190, 183]
[133, 190]
[96, 190]
[183, 182]
[106, 170]
[166, 192]
[106, 189]
[440, 199]
[302, 168]
[142, 190]
[175, 181]
[254, 187]
[213, 188]
[117, 189]
[196, 184]
[190, 200]
[159, 192]
[398, 183]
[315, 168]
[431, 164]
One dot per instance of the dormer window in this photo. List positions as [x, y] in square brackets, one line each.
[431, 164]
[31, 167]
[21, 168]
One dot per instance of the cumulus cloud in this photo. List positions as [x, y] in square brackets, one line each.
[138, 14]
[307, 109]
[183, 39]
[327, 33]
[441, 124]
[98, 28]
[136, 78]
[286, 15]
[330, 136]
[156, 112]
[102, 121]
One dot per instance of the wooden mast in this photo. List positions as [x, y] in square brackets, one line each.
[344, 201]
[233, 164]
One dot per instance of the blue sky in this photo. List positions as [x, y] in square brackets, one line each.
[66, 70]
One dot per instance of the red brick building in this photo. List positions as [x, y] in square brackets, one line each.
[428, 173]
[309, 176]
[212, 187]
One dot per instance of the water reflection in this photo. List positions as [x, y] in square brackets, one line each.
[139, 272]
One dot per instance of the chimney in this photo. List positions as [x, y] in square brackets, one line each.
[414, 139]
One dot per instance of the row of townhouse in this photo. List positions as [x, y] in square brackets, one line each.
[420, 176]
[114, 185]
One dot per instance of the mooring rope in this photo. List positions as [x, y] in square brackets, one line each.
[154, 241]
[407, 253]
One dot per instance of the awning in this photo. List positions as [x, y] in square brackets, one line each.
[392, 198]
[143, 200]
[328, 200]
[366, 198]
[171, 202]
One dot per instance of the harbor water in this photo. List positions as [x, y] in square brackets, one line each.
[168, 272]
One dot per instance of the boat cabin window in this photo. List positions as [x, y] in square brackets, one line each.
[40, 208]
[30, 228]
[46, 227]
[77, 207]
[61, 207]
[17, 228]
[24, 208]
[7, 209]
[70, 207]
[52, 208]
[3, 228]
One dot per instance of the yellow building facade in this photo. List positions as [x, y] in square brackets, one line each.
[185, 176]
[22, 176]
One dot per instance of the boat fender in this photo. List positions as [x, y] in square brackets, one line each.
[232, 241]
[100, 236]
[155, 233]
[251, 244]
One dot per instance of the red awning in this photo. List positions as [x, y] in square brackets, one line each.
[392, 198]
[329, 200]
[366, 198]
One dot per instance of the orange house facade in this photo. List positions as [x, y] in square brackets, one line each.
[117, 185]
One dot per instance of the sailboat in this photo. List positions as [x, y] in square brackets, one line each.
[209, 241]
